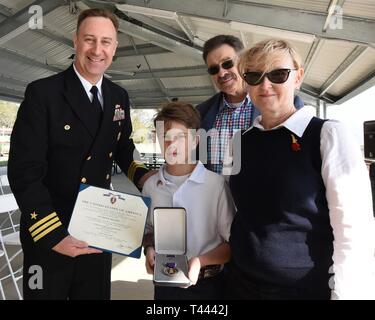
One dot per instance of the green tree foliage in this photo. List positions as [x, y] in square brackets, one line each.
[8, 114]
[143, 126]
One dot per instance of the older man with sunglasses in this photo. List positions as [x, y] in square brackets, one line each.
[231, 109]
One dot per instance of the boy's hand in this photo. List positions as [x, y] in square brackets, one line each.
[150, 260]
[194, 269]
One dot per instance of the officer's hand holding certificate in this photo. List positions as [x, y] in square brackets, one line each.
[109, 220]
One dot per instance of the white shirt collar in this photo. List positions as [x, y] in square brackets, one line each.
[197, 174]
[87, 85]
[296, 123]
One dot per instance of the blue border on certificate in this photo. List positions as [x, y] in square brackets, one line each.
[147, 201]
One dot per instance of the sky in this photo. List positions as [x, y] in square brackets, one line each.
[354, 112]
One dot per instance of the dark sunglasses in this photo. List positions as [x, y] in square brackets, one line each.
[275, 76]
[227, 64]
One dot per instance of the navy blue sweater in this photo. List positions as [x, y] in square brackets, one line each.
[281, 234]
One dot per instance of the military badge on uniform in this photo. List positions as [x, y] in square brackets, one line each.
[295, 145]
[119, 113]
[33, 215]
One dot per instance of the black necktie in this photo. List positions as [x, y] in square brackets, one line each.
[96, 104]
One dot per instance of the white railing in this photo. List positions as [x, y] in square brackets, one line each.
[5, 131]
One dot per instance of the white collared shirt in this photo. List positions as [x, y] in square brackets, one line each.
[207, 201]
[87, 86]
[349, 197]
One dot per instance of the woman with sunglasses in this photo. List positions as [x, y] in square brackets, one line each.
[304, 227]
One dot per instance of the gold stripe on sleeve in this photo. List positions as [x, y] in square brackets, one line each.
[47, 231]
[44, 226]
[40, 222]
[131, 171]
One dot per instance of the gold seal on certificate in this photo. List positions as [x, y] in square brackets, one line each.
[109, 220]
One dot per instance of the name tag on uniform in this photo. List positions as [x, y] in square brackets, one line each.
[119, 113]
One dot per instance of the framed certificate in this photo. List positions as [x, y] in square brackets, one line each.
[109, 220]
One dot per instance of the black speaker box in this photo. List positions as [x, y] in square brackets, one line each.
[372, 179]
[369, 139]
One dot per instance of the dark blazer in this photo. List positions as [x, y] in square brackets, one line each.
[209, 109]
[55, 145]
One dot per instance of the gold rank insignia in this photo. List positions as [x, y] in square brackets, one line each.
[44, 226]
[33, 215]
[133, 168]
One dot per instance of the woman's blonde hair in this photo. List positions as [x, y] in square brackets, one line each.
[262, 56]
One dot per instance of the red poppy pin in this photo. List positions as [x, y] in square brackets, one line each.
[295, 145]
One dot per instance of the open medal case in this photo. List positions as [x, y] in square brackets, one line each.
[171, 265]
